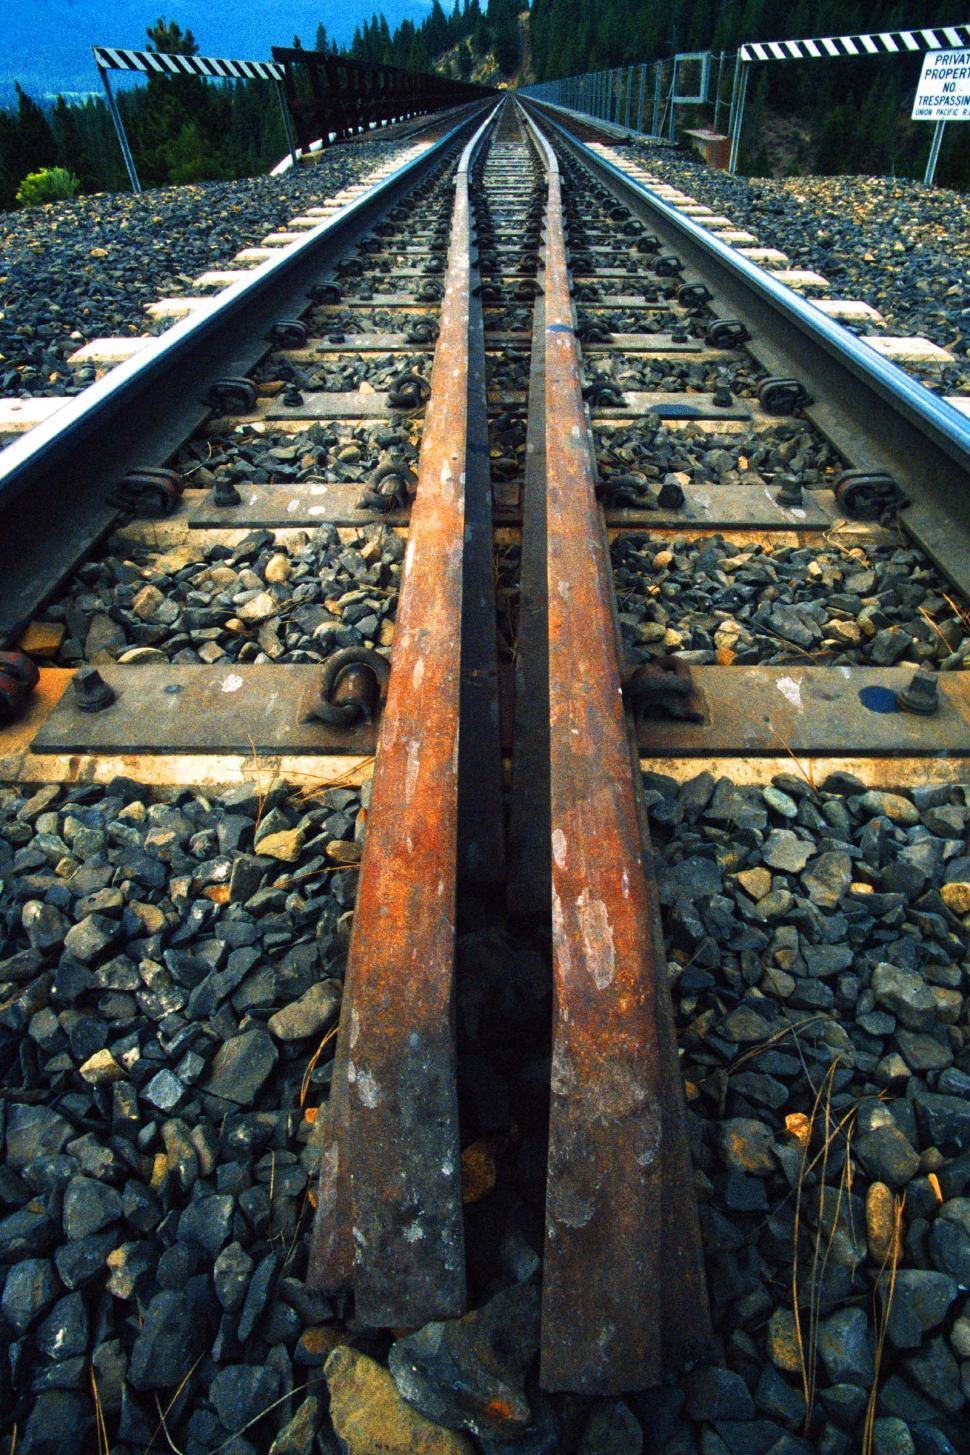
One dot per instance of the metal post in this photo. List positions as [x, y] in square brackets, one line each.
[738, 118]
[672, 119]
[935, 145]
[629, 97]
[658, 80]
[734, 93]
[617, 94]
[119, 126]
[717, 89]
[643, 88]
[287, 127]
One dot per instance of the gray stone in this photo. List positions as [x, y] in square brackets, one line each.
[471, 1371]
[713, 1393]
[745, 1024]
[63, 1333]
[44, 926]
[943, 1120]
[905, 994]
[889, 805]
[780, 803]
[936, 1372]
[827, 878]
[747, 1145]
[89, 1206]
[61, 1422]
[241, 1068]
[257, 1294]
[91, 937]
[30, 1290]
[950, 1239]
[846, 1347]
[298, 1435]
[776, 1397]
[783, 849]
[308, 1016]
[165, 1091]
[612, 1429]
[693, 878]
[891, 1436]
[241, 1392]
[888, 1155]
[206, 1223]
[920, 1302]
[33, 1132]
[167, 1343]
[231, 1276]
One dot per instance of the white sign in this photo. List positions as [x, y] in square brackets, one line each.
[944, 87]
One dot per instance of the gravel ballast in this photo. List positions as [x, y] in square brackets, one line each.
[171, 965]
[895, 244]
[75, 271]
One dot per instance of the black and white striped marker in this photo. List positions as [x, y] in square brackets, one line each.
[163, 64]
[886, 42]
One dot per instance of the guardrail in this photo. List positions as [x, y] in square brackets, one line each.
[330, 96]
[643, 97]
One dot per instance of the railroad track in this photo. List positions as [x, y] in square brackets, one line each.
[444, 366]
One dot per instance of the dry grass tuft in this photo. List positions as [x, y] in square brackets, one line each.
[827, 1222]
[312, 1064]
[882, 1307]
[104, 1444]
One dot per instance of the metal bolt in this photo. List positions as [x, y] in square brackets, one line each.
[292, 398]
[723, 398]
[921, 695]
[226, 493]
[670, 496]
[790, 493]
[91, 691]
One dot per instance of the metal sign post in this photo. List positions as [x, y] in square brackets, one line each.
[943, 95]
[120, 132]
[738, 100]
[163, 63]
[934, 156]
[940, 84]
[287, 124]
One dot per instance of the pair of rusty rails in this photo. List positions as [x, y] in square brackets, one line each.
[623, 1287]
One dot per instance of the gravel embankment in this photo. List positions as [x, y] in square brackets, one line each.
[899, 246]
[261, 600]
[74, 271]
[168, 973]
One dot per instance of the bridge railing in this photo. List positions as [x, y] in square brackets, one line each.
[643, 98]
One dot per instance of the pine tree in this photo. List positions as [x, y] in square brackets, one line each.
[34, 144]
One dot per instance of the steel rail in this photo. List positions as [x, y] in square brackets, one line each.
[880, 417]
[389, 1217]
[63, 472]
[623, 1288]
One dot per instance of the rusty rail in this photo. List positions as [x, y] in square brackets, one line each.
[623, 1283]
[389, 1219]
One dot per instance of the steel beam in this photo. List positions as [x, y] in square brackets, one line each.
[389, 1217]
[623, 1285]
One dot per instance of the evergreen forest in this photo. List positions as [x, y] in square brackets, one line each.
[845, 116]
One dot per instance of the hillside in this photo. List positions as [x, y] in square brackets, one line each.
[47, 43]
